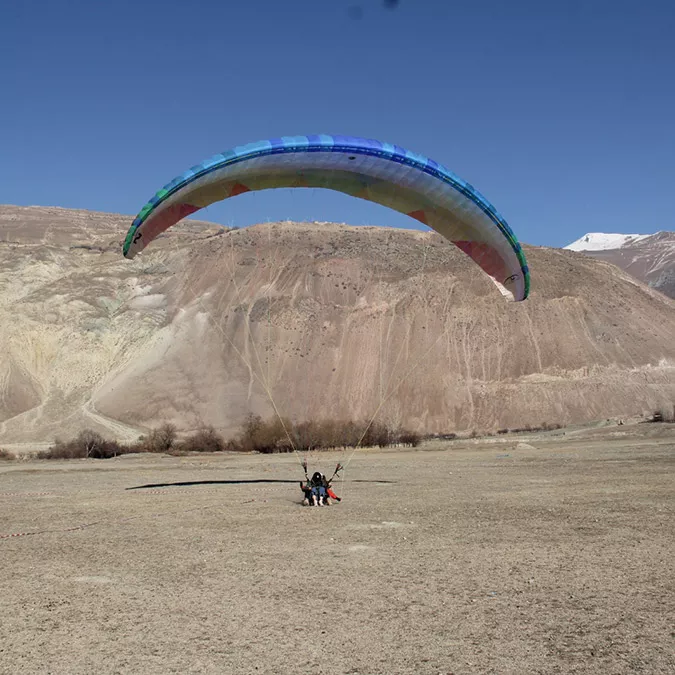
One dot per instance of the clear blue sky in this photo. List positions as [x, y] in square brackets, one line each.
[561, 113]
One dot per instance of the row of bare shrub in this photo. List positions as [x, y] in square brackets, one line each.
[86, 444]
[256, 435]
[282, 435]
[544, 426]
[164, 439]
[274, 435]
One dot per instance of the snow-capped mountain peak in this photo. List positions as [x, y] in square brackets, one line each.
[599, 241]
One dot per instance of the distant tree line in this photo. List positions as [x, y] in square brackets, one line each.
[275, 435]
[256, 435]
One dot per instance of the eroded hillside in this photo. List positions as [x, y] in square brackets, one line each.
[317, 319]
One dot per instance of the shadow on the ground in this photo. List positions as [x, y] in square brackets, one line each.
[243, 481]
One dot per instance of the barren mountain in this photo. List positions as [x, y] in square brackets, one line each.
[315, 320]
[649, 258]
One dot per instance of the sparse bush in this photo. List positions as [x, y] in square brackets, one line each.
[132, 448]
[341, 434]
[547, 426]
[251, 430]
[275, 436]
[233, 445]
[411, 438]
[307, 436]
[60, 450]
[528, 428]
[87, 444]
[443, 437]
[6, 455]
[259, 436]
[161, 439]
[204, 440]
[377, 435]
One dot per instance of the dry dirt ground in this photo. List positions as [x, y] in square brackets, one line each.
[552, 556]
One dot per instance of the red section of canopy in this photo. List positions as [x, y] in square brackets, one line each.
[419, 215]
[485, 256]
[238, 188]
[162, 221]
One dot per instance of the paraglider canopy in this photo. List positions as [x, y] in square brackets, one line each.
[367, 169]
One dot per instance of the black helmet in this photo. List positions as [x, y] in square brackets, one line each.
[316, 478]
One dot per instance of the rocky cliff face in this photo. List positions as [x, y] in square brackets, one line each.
[316, 319]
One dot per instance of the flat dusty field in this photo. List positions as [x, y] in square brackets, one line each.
[552, 557]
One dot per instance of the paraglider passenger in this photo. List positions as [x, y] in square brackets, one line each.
[316, 490]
